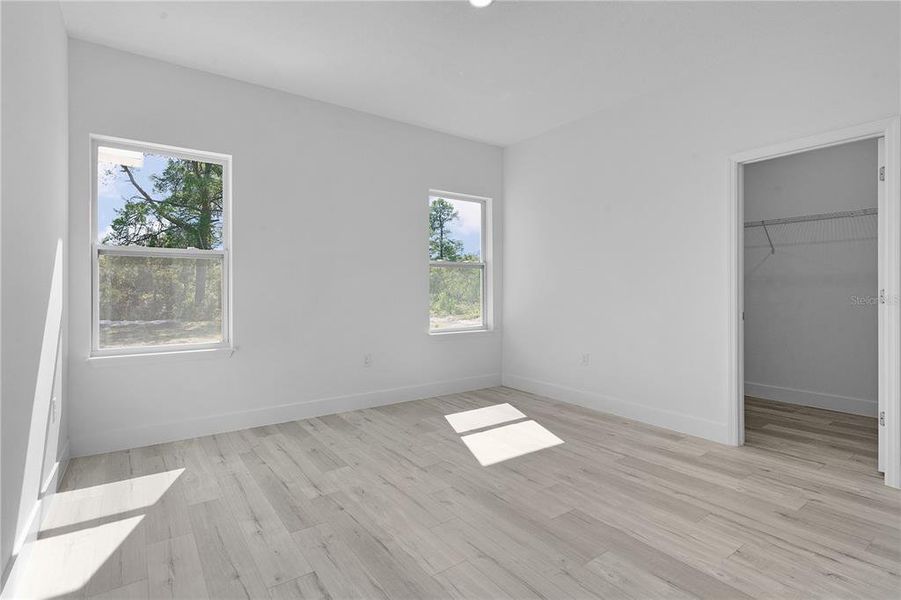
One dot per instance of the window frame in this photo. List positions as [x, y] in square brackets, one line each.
[227, 283]
[484, 265]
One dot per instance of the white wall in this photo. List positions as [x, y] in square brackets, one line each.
[616, 232]
[810, 312]
[330, 256]
[34, 226]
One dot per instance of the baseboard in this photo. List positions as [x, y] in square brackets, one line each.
[51, 482]
[696, 426]
[64, 458]
[845, 404]
[146, 435]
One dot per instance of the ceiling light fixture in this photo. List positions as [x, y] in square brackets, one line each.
[480, 3]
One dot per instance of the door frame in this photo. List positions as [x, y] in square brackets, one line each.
[889, 277]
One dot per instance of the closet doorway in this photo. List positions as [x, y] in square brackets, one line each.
[816, 329]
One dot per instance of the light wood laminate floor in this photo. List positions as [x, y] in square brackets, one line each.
[389, 503]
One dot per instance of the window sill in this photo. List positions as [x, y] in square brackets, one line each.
[153, 357]
[451, 333]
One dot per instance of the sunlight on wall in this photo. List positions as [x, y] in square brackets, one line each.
[29, 500]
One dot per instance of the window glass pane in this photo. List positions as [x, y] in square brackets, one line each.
[455, 230]
[152, 301]
[149, 199]
[455, 294]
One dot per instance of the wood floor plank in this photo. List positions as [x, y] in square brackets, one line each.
[500, 560]
[338, 568]
[389, 503]
[167, 517]
[633, 578]
[398, 573]
[198, 482]
[305, 587]
[286, 496]
[274, 551]
[227, 563]
[126, 565]
[173, 568]
[394, 518]
[664, 565]
[139, 590]
[464, 581]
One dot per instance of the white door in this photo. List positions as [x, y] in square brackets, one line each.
[882, 307]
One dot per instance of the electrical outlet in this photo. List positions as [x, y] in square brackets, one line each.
[367, 360]
[586, 360]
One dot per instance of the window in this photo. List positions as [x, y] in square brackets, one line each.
[458, 278]
[160, 248]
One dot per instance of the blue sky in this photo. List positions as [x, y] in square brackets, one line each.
[113, 188]
[468, 227]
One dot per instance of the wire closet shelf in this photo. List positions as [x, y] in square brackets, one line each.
[842, 214]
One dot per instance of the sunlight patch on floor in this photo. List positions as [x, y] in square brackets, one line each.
[63, 564]
[106, 500]
[503, 443]
[83, 529]
[483, 417]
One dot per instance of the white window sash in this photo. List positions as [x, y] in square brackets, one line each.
[483, 264]
[150, 252]
[441, 264]
[222, 254]
[457, 265]
[159, 252]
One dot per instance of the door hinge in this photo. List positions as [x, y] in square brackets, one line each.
[882, 296]
[742, 315]
[882, 418]
[882, 173]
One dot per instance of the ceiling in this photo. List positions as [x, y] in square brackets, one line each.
[499, 74]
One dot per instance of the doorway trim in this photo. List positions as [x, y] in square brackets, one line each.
[889, 276]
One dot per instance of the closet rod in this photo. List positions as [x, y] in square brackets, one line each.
[820, 217]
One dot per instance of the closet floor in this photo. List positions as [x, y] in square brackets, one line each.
[837, 439]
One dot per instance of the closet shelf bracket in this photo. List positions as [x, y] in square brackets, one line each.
[768, 238]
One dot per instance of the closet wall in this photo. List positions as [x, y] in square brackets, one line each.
[810, 312]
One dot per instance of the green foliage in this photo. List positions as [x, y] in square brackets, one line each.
[184, 209]
[157, 298]
[140, 288]
[455, 295]
[441, 246]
